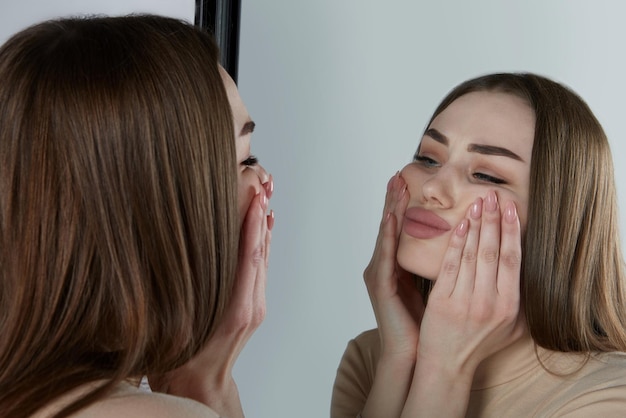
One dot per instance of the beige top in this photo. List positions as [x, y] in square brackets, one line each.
[130, 401]
[566, 385]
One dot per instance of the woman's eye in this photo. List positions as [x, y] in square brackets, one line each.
[251, 161]
[426, 161]
[487, 178]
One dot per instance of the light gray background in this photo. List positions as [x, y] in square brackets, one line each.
[340, 91]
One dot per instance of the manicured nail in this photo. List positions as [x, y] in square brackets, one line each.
[461, 229]
[510, 213]
[270, 220]
[491, 202]
[477, 208]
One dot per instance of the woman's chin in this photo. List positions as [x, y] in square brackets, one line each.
[417, 261]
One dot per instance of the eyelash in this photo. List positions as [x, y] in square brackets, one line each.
[430, 163]
[488, 178]
[251, 161]
[425, 161]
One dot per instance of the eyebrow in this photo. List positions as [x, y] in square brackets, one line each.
[248, 128]
[481, 149]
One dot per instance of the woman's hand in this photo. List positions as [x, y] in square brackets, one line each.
[207, 377]
[398, 307]
[473, 309]
[396, 301]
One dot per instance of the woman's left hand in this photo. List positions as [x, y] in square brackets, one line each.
[473, 309]
[477, 293]
[207, 377]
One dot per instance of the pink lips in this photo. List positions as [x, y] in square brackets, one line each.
[424, 224]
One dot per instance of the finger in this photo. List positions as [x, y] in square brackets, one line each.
[391, 195]
[391, 184]
[395, 202]
[510, 262]
[251, 249]
[451, 264]
[402, 200]
[260, 285]
[488, 248]
[379, 275]
[270, 220]
[269, 186]
[467, 270]
[268, 238]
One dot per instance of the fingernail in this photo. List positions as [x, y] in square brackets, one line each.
[461, 229]
[491, 202]
[477, 208]
[510, 213]
[270, 220]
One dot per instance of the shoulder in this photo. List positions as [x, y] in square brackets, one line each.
[362, 352]
[611, 360]
[155, 405]
[597, 387]
[604, 369]
[368, 339]
[355, 374]
[128, 401]
[367, 344]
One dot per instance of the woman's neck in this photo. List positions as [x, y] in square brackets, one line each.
[507, 364]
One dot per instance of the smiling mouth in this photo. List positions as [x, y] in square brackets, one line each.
[424, 224]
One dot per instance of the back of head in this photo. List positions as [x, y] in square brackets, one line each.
[573, 286]
[118, 225]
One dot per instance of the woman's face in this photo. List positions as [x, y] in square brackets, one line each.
[482, 141]
[251, 174]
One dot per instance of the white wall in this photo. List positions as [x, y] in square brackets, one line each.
[17, 14]
[340, 91]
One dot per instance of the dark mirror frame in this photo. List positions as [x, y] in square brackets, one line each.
[222, 18]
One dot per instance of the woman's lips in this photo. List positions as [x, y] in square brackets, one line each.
[424, 224]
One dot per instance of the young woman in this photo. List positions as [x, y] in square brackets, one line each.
[497, 279]
[133, 228]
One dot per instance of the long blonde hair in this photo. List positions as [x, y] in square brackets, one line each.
[118, 188]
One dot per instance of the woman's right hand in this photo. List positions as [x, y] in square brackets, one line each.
[207, 377]
[397, 303]
[398, 307]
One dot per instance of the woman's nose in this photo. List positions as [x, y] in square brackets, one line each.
[438, 189]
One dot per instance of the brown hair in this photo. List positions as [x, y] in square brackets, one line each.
[573, 287]
[118, 219]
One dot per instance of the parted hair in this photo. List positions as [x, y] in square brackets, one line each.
[572, 283]
[118, 219]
